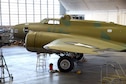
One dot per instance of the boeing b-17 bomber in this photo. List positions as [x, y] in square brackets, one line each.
[71, 38]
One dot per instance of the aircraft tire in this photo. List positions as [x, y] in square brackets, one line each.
[65, 64]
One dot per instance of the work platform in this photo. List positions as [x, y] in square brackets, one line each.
[22, 64]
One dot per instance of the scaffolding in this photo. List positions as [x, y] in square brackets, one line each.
[114, 73]
[3, 67]
[6, 36]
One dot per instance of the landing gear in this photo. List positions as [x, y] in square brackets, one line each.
[66, 61]
[65, 64]
[80, 57]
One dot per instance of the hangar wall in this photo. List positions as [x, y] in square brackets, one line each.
[109, 16]
[116, 16]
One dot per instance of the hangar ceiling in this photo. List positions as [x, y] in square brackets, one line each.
[81, 5]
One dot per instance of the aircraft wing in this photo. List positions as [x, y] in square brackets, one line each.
[84, 44]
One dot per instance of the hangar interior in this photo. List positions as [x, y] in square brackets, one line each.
[13, 12]
[22, 63]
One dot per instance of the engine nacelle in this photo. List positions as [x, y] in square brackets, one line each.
[35, 41]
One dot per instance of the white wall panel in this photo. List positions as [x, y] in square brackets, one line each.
[116, 16]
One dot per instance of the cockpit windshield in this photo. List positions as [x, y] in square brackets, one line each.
[50, 21]
[44, 21]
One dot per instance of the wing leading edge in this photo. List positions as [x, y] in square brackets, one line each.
[83, 45]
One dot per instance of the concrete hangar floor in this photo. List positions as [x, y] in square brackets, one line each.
[105, 69]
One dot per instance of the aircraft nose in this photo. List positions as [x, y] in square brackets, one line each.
[18, 31]
[15, 32]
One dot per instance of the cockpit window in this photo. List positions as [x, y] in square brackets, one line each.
[53, 22]
[44, 21]
[50, 21]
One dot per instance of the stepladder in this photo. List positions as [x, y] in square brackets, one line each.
[41, 61]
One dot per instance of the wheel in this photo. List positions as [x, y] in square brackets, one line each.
[65, 64]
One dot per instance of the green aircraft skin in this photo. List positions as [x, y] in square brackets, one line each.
[44, 32]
